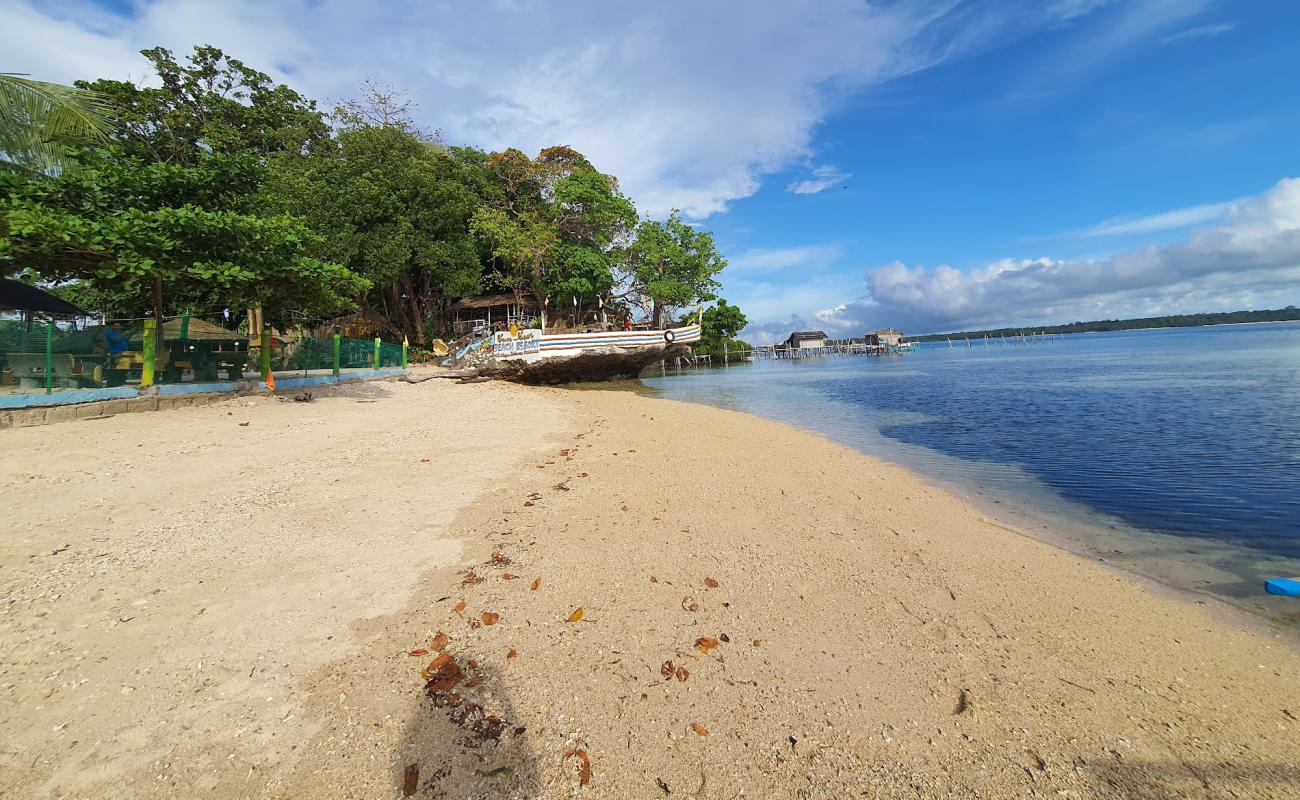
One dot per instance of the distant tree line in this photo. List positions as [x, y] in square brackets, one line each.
[1290, 313]
[211, 187]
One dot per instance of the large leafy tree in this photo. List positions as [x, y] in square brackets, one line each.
[395, 209]
[556, 226]
[140, 233]
[37, 119]
[673, 265]
[169, 214]
[211, 104]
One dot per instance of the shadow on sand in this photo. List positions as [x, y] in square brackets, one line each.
[1181, 780]
[463, 740]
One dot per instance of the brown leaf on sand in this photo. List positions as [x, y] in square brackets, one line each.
[699, 729]
[477, 680]
[508, 577]
[424, 461]
[576, 615]
[490, 617]
[529, 503]
[410, 779]
[243, 424]
[459, 607]
[471, 578]
[419, 651]
[653, 579]
[584, 764]
[512, 653]
[441, 674]
[667, 669]
[705, 643]
[439, 641]
[689, 605]
[710, 583]
[682, 674]
[536, 582]
[724, 637]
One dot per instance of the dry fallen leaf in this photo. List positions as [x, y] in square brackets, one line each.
[682, 674]
[705, 643]
[477, 680]
[459, 607]
[424, 461]
[584, 765]
[653, 579]
[490, 617]
[667, 669]
[529, 503]
[576, 615]
[699, 729]
[439, 641]
[508, 577]
[724, 637]
[536, 582]
[419, 651]
[710, 583]
[410, 779]
[512, 653]
[582, 474]
[441, 674]
[243, 424]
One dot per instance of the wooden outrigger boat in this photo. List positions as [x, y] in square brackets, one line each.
[531, 356]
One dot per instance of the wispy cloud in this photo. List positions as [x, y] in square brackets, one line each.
[1152, 223]
[1201, 32]
[821, 179]
[775, 259]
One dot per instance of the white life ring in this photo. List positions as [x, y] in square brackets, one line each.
[669, 336]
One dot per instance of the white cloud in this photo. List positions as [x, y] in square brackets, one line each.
[690, 104]
[1202, 32]
[759, 260]
[1164, 221]
[820, 180]
[1251, 259]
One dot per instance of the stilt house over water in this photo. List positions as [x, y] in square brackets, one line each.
[805, 340]
[889, 338]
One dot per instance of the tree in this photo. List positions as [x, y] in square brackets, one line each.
[672, 265]
[560, 226]
[722, 321]
[37, 119]
[139, 232]
[395, 210]
[382, 106]
[213, 104]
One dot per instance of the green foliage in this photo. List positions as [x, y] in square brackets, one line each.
[213, 104]
[37, 119]
[674, 265]
[722, 321]
[120, 226]
[395, 210]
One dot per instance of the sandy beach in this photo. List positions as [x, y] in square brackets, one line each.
[609, 595]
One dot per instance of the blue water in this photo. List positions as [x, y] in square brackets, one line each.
[1191, 433]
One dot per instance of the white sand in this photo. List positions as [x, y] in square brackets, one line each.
[885, 639]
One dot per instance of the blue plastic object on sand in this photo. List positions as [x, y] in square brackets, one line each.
[1289, 587]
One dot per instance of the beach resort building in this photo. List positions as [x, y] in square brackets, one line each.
[484, 311]
[805, 340]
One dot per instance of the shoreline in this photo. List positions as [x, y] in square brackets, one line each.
[864, 632]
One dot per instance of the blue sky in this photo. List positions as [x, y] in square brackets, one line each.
[927, 164]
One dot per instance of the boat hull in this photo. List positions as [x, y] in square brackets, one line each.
[533, 357]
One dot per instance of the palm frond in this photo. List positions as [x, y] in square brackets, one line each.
[37, 118]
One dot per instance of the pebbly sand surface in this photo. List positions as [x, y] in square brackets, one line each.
[195, 608]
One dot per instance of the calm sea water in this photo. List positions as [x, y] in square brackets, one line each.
[1174, 452]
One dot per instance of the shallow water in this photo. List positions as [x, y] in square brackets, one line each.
[1174, 452]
